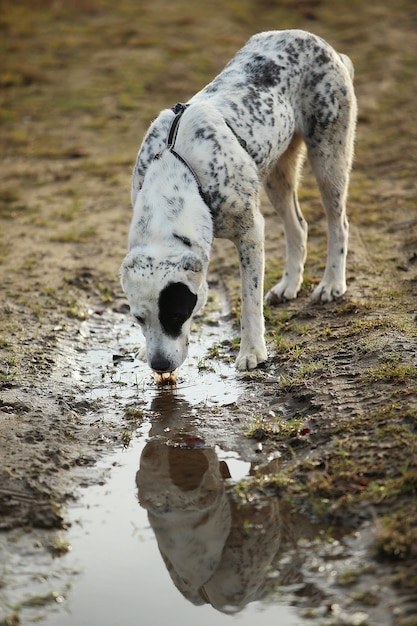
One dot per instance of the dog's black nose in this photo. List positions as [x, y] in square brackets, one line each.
[161, 364]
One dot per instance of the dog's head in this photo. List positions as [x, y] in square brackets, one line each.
[164, 291]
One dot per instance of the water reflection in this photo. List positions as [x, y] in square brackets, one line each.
[216, 549]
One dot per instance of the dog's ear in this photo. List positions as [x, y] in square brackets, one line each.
[134, 264]
[129, 263]
[193, 267]
[191, 263]
[124, 268]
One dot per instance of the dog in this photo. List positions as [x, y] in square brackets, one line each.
[199, 173]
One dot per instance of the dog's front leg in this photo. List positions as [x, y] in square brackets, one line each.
[251, 258]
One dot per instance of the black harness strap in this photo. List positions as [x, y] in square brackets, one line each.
[179, 109]
[240, 140]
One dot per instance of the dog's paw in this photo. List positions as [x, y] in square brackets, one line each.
[281, 293]
[326, 292]
[250, 360]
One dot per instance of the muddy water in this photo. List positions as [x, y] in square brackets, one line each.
[161, 539]
[116, 550]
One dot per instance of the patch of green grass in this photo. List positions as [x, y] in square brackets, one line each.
[126, 438]
[275, 429]
[327, 333]
[77, 311]
[364, 326]
[134, 415]
[9, 370]
[281, 344]
[106, 293]
[214, 351]
[98, 168]
[71, 212]
[126, 102]
[390, 372]
[295, 352]
[301, 330]
[396, 537]
[353, 307]
[314, 367]
[8, 195]
[82, 235]
[235, 343]
[60, 546]
[51, 597]
[11, 203]
[288, 383]
[12, 619]
[203, 366]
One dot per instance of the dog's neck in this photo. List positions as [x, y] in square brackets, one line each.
[183, 218]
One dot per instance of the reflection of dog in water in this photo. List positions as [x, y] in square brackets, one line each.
[215, 551]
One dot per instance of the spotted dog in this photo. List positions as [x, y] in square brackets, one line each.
[198, 175]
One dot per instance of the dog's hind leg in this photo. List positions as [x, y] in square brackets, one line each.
[331, 160]
[281, 188]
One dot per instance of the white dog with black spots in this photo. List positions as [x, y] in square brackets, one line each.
[198, 175]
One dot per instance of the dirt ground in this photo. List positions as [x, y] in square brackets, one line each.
[80, 81]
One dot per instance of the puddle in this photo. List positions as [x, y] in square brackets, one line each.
[164, 536]
[134, 569]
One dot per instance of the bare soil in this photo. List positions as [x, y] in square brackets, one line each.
[80, 81]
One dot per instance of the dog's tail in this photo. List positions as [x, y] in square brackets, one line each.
[348, 64]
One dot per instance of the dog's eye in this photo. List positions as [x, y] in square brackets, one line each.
[140, 319]
[177, 319]
[172, 323]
